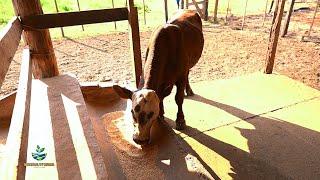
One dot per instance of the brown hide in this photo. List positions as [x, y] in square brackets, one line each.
[173, 49]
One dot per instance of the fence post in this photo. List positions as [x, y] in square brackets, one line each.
[135, 39]
[274, 37]
[44, 63]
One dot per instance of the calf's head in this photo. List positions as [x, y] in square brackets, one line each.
[145, 111]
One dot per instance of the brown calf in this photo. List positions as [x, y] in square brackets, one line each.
[173, 49]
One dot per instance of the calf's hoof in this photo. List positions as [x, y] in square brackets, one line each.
[189, 92]
[180, 125]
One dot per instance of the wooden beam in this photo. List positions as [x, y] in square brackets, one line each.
[215, 12]
[9, 42]
[274, 37]
[45, 21]
[43, 57]
[134, 36]
[288, 17]
[12, 164]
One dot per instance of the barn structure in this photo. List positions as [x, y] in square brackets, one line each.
[257, 126]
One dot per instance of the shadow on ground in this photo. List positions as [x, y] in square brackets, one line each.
[277, 149]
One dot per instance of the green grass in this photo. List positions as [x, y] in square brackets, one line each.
[154, 13]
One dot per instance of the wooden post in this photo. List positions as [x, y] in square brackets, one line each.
[181, 4]
[115, 23]
[57, 9]
[287, 21]
[274, 37]
[215, 12]
[205, 9]
[78, 4]
[135, 39]
[244, 15]
[265, 13]
[314, 16]
[227, 10]
[144, 13]
[44, 61]
[166, 10]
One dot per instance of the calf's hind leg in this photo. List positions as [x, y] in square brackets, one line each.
[188, 88]
[180, 122]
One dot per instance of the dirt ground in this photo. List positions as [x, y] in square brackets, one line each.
[228, 52]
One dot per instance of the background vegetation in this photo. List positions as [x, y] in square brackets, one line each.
[154, 13]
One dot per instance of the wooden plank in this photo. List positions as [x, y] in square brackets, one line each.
[19, 121]
[43, 57]
[6, 106]
[45, 21]
[134, 36]
[9, 41]
[98, 92]
[274, 37]
[288, 17]
[66, 133]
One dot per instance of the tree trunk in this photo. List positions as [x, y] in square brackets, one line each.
[44, 61]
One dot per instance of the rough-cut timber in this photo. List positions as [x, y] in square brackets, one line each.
[135, 39]
[44, 62]
[44, 21]
[288, 17]
[13, 163]
[274, 37]
[9, 42]
[66, 133]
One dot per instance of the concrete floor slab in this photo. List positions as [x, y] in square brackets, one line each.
[278, 145]
[251, 95]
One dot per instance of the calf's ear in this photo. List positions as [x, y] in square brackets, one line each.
[123, 92]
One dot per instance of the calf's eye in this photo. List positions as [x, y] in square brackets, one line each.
[137, 108]
[150, 114]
